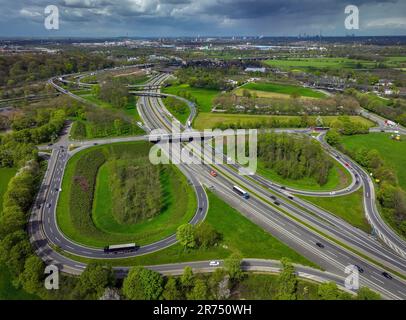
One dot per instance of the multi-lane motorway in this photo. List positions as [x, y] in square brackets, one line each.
[294, 221]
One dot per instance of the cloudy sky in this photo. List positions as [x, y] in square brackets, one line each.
[101, 18]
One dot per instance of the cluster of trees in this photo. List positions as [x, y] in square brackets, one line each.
[394, 110]
[390, 195]
[204, 78]
[82, 190]
[176, 106]
[202, 235]
[294, 156]
[336, 105]
[112, 91]
[28, 67]
[103, 122]
[136, 190]
[16, 252]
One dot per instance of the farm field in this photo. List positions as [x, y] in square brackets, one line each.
[84, 211]
[238, 235]
[393, 152]
[211, 120]
[203, 97]
[348, 207]
[281, 90]
[5, 176]
[313, 64]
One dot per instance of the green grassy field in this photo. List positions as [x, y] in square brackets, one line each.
[10, 292]
[349, 208]
[5, 176]
[130, 109]
[204, 97]
[284, 89]
[239, 235]
[338, 178]
[309, 64]
[179, 109]
[180, 203]
[210, 120]
[393, 152]
[264, 287]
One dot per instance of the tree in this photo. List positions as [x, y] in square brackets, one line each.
[365, 293]
[199, 291]
[219, 284]
[142, 284]
[171, 291]
[328, 291]
[32, 277]
[233, 266]
[205, 235]
[14, 249]
[13, 219]
[187, 279]
[185, 236]
[93, 281]
[287, 282]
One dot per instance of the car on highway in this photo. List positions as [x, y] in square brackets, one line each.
[213, 173]
[48, 205]
[332, 193]
[277, 203]
[360, 270]
[320, 245]
[214, 263]
[387, 275]
[283, 187]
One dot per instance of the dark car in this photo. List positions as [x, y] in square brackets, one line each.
[319, 244]
[283, 187]
[386, 275]
[273, 197]
[277, 203]
[360, 270]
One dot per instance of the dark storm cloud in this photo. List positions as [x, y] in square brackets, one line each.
[191, 17]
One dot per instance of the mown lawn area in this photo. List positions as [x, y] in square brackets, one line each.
[5, 176]
[10, 292]
[211, 120]
[349, 207]
[283, 89]
[83, 209]
[203, 97]
[239, 235]
[338, 178]
[393, 152]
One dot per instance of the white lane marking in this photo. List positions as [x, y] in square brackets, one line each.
[376, 279]
[333, 254]
[296, 232]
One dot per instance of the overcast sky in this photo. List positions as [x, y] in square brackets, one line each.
[101, 18]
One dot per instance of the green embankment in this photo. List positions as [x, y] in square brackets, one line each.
[203, 97]
[76, 207]
[349, 207]
[393, 152]
[338, 178]
[238, 235]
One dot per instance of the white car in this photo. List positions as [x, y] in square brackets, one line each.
[214, 263]
[332, 193]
